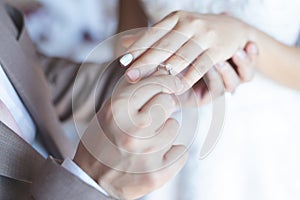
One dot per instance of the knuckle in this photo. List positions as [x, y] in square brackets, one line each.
[142, 120]
[163, 44]
[196, 22]
[214, 54]
[169, 99]
[211, 34]
[129, 144]
[152, 31]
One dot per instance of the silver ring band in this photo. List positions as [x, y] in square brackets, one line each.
[167, 67]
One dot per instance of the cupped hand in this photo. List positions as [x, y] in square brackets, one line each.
[227, 76]
[129, 146]
[190, 42]
[223, 77]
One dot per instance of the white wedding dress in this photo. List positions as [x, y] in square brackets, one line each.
[258, 155]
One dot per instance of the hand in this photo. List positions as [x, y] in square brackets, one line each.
[225, 76]
[187, 41]
[128, 148]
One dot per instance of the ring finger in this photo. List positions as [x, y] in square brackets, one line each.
[183, 58]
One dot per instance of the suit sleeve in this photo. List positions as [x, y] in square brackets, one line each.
[55, 182]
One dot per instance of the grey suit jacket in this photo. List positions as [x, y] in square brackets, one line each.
[24, 174]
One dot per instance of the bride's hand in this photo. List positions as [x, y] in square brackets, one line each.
[187, 41]
[227, 76]
[223, 77]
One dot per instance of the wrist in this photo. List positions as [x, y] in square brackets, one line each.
[95, 169]
[88, 163]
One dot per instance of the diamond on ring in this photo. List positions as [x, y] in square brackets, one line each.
[167, 67]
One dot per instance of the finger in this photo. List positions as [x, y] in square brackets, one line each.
[160, 140]
[200, 89]
[167, 134]
[158, 53]
[184, 56]
[197, 70]
[230, 78]
[176, 158]
[158, 109]
[252, 50]
[149, 140]
[128, 40]
[245, 66]
[214, 84]
[176, 155]
[151, 35]
[146, 89]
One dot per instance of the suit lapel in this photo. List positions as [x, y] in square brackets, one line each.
[30, 84]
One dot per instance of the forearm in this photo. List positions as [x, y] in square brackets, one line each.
[278, 61]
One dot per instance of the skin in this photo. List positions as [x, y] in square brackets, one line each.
[122, 124]
[220, 37]
[228, 77]
[130, 124]
[224, 76]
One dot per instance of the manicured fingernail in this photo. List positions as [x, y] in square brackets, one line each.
[241, 54]
[133, 74]
[253, 49]
[126, 59]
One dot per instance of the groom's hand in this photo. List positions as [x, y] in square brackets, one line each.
[129, 146]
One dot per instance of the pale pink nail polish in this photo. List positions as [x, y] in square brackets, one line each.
[133, 74]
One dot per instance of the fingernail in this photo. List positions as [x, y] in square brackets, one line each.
[133, 74]
[126, 59]
[241, 54]
[253, 49]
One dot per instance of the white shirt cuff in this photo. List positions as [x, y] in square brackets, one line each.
[69, 165]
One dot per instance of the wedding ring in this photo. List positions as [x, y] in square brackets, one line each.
[167, 67]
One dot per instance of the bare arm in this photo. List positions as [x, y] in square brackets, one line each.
[219, 37]
[278, 61]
